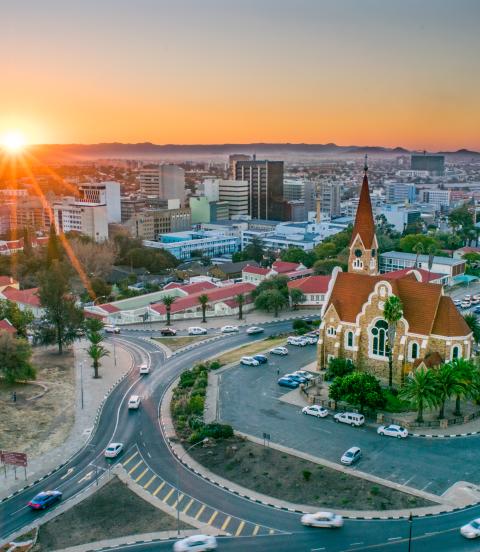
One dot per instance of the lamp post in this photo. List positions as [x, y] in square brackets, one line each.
[81, 381]
[410, 523]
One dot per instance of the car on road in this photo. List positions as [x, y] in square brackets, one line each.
[476, 310]
[254, 330]
[144, 368]
[113, 450]
[315, 410]
[393, 430]
[307, 375]
[350, 456]
[168, 331]
[466, 304]
[322, 519]
[296, 340]
[196, 330]
[351, 418]
[134, 402]
[261, 358]
[110, 328]
[279, 351]
[295, 377]
[229, 329]
[457, 302]
[196, 543]
[44, 500]
[288, 382]
[249, 361]
[471, 530]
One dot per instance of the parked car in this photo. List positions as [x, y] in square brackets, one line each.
[113, 450]
[393, 430]
[322, 519]
[110, 328]
[297, 341]
[288, 382]
[279, 351]
[467, 297]
[466, 304]
[471, 530]
[262, 359]
[457, 302]
[476, 310]
[254, 330]
[310, 339]
[315, 410]
[351, 418]
[134, 402]
[168, 331]
[144, 368]
[295, 377]
[196, 543]
[350, 456]
[475, 300]
[249, 361]
[307, 375]
[45, 499]
[197, 330]
[229, 329]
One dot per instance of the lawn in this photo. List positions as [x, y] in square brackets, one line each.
[113, 511]
[174, 343]
[250, 349]
[273, 473]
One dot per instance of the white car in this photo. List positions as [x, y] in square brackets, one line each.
[304, 374]
[229, 329]
[322, 519]
[279, 351]
[134, 402]
[457, 302]
[350, 456]
[351, 418]
[254, 330]
[393, 430]
[311, 339]
[111, 329]
[471, 530]
[315, 410]
[113, 450]
[197, 330]
[144, 368]
[297, 341]
[249, 361]
[196, 543]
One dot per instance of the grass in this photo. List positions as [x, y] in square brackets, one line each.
[394, 404]
[113, 511]
[250, 349]
[174, 343]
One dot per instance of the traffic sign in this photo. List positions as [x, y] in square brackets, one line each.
[13, 458]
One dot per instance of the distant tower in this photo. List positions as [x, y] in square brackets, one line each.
[318, 204]
[364, 245]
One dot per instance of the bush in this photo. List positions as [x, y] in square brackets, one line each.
[374, 491]
[339, 367]
[187, 379]
[215, 365]
[393, 403]
[195, 405]
[306, 475]
[299, 324]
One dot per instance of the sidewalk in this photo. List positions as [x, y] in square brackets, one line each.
[94, 392]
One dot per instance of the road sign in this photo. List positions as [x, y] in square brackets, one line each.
[13, 458]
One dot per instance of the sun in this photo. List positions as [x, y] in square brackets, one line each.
[13, 142]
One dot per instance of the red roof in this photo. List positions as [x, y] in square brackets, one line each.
[23, 296]
[108, 307]
[6, 326]
[249, 269]
[364, 223]
[214, 296]
[426, 276]
[232, 303]
[297, 273]
[283, 266]
[312, 284]
[191, 288]
[7, 280]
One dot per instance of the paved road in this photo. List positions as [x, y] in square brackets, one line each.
[142, 436]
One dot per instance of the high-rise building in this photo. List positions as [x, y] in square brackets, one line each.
[301, 190]
[150, 223]
[130, 206]
[164, 182]
[399, 192]
[210, 188]
[236, 194]
[329, 194]
[437, 198]
[433, 163]
[232, 160]
[30, 212]
[103, 193]
[89, 219]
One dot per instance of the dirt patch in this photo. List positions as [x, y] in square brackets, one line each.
[113, 511]
[174, 343]
[38, 425]
[250, 349]
[289, 478]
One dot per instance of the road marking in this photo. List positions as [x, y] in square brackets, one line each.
[169, 494]
[130, 459]
[225, 523]
[408, 480]
[356, 543]
[187, 507]
[87, 476]
[255, 531]
[427, 485]
[177, 502]
[69, 471]
[159, 488]
[135, 467]
[212, 517]
[200, 512]
[141, 475]
[149, 482]
[394, 538]
[271, 531]
[240, 528]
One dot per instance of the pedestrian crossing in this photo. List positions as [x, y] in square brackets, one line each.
[138, 469]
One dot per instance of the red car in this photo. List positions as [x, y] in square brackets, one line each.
[168, 331]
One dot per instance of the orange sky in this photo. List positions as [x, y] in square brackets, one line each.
[366, 73]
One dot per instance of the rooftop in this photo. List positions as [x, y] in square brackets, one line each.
[422, 258]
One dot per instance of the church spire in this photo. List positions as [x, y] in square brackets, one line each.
[364, 223]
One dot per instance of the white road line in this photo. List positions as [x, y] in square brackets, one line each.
[427, 485]
[394, 538]
[19, 510]
[356, 543]
[408, 480]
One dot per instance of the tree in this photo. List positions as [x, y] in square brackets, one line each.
[358, 389]
[203, 300]
[421, 390]
[278, 283]
[339, 367]
[472, 323]
[27, 242]
[15, 355]
[54, 249]
[96, 351]
[296, 297]
[271, 300]
[20, 319]
[96, 259]
[93, 325]
[254, 250]
[393, 312]
[168, 301]
[240, 300]
[410, 242]
[418, 249]
[325, 267]
[464, 374]
[297, 255]
[447, 385]
[461, 221]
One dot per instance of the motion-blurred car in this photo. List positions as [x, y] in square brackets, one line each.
[168, 331]
[261, 358]
[279, 351]
[315, 410]
[322, 519]
[296, 340]
[295, 377]
[307, 375]
[249, 361]
[254, 330]
[113, 450]
[393, 430]
[134, 402]
[197, 330]
[110, 328]
[196, 543]
[471, 530]
[45, 499]
[229, 329]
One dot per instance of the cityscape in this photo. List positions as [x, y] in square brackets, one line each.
[240, 276]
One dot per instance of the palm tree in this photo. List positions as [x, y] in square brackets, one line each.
[474, 325]
[296, 297]
[93, 325]
[203, 300]
[447, 384]
[464, 372]
[168, 301]
[96, 351]
[421, 390]
[393, 312]
[240, 300]
[417, 248]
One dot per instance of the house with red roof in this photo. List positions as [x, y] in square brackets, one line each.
[255, 274]
[7, 326]
[314, 288]
[8, 281]
[24, 298]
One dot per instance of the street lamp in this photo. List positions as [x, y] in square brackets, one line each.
[81, 381]
[203, 441]
[410, 523]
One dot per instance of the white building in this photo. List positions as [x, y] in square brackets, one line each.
[210, 188]
[89, 219]
[164, 182]
[236, 194]
[104, 193]
[399, 215]
[437, 198]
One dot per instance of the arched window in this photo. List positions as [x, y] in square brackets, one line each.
[357, 263]
[413, 350]
[349, 339]
[455, 352]
[379, 338]
[331, 331]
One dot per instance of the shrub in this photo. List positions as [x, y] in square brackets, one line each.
[339, 367]
[195, 405]
[187, 379]
[215, 365]
[374, 491]
[306, 475]
[299, 325]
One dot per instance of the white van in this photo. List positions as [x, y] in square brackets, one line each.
[144, 368]
[352, 418]
[134, 402]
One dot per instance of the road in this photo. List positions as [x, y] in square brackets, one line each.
[156, 469]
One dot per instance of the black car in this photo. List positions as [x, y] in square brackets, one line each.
[168, 331]
[261, 358]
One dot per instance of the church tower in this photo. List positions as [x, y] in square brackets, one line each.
[363, 245]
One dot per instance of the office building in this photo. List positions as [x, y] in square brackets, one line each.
[236, 194]
[399, 216]
[329, 194]
[210, 188]
[399, 192]
[164, 182]
[103, 193]
[438, 198]
[219, 210]
[30, 212]
[433, 163]
[301, 190]
[89, 219]
[232, 160]
[149, 224]
[130, 206]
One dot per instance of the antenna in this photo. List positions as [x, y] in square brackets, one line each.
[365, 167]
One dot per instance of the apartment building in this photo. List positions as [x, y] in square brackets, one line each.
[164, 182]
[149, 224]
[103, 193]
[89, 219]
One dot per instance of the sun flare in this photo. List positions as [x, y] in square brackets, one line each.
[13, 142]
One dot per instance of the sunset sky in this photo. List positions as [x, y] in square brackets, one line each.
[376, 72]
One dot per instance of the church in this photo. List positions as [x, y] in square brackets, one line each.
[353, 326]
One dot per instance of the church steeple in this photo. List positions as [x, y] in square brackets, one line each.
[363, 245]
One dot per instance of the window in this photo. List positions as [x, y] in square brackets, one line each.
[455, 352]
[379, 338]
[349, 340]
[413, 350]
[357, 263]
[331, 331]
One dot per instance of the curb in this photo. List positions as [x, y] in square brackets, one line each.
[448, 436]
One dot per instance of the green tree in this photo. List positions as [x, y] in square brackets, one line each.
[96, 351]
[461, 221]
[296, 297]
[27, 242]
[168, 301]
[358, 389]
[473, 324]
[297, 255]
[410, 243]
[240, 300]
[421, 390]
[418, 249]
[393, 312]
[464, 374]
[20, 319]
[278, 283]
[15, 355]
[203, 300]
[93, 325]
[447, 384]
[271, 300]
[339, 367]
[54, 248]
[324, 268]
